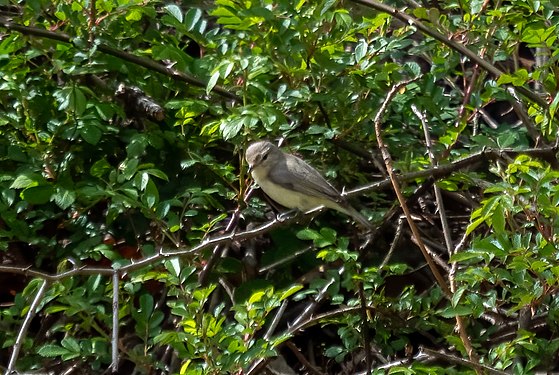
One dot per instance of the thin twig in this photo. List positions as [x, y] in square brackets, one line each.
[394, 243]
[365, 326]
[460, 361]
[114, 338]
[396, 186]
[312, 369]
[437, 190]
[287, 259]
[217, 252]
[460, 321]
[275, 321]
[25, 325]
[298, 322]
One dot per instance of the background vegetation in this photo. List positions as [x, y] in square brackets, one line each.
[131, 241]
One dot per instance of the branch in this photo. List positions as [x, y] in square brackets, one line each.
[25, 326]
[449, 358]
[114, 338]
[396, 186]
[460, 320]
[435, 173]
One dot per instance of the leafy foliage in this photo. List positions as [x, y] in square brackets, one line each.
[123, 129]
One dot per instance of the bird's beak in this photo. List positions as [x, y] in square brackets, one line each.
[250, 168]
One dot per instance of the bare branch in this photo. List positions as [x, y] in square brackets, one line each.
[25, 325]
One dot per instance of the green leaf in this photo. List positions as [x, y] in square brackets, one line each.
[146, 307]
[71, 98]
[64, 198]
[553, 105]
[157, 173]
[290, 291]
[498, 219]
[212, 82]
[71, 344]
[173, 266]
[50, 350]
[144, 179]
[91, 134]
[134, 15]
[174, 11]
[137, 146]
[100, 168]
[361, 50]
[27, 180]
[518, 78]
[192, 17]
[308, 234]
[327, 5]
[460, 310]
[231, 127]
[38, 194]
[151, 196]
[256, 296]
[328, 236]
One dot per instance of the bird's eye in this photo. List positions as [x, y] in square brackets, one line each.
[264, 157]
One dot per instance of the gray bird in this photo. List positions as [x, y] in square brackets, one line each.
[293, 183]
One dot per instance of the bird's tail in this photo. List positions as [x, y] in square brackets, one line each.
[356, 215]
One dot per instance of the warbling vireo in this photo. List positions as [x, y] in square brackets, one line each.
[293, 183]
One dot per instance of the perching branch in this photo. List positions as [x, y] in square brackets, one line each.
[435, 173]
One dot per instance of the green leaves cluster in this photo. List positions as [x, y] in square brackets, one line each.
[512, 263]
[86, 180]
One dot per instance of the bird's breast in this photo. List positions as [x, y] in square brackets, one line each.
[286, 197]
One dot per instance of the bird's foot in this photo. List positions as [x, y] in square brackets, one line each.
[288, 215]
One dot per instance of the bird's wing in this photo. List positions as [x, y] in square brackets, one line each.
[299, 176]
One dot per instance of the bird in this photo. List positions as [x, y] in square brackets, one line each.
[293, 183]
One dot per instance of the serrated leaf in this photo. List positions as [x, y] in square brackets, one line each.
[26, 180]
[71, 344]
[457, 295]
[231, 127]
[52, 351]
[64, 198]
